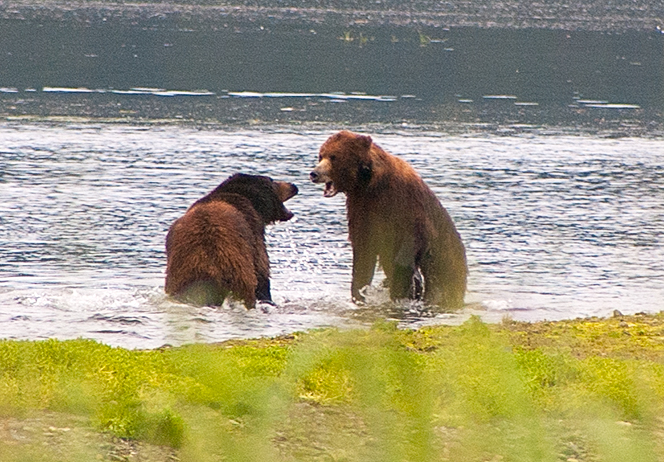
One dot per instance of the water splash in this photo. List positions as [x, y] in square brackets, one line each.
[555, 227]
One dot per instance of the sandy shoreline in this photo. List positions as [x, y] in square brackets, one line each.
[601, 16]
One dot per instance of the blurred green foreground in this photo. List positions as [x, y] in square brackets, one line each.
[583, 390]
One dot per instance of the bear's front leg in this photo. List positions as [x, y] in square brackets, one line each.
[263, 292]
[404, 278]
[364, 265]
[404, 283]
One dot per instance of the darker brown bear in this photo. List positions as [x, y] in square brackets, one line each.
[395, 217]
[218, 249]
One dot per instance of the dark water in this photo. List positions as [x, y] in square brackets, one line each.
[546, 146]
[596, 80]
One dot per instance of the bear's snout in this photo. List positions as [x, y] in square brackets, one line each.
[285, 190]
[321, 172]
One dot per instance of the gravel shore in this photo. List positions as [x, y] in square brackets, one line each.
[599, 15]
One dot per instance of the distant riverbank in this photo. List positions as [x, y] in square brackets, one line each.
[602, 15]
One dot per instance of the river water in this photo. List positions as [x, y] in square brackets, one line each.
[545, 146]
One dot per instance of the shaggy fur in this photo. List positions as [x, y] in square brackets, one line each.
[393, 216]
[218, 249]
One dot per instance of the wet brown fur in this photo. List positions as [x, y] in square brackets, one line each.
[395, 217]
[218, 248]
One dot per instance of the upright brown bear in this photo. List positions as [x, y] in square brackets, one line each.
[218, 249]
[394, 216]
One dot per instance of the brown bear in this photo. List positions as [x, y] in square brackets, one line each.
[217, 248]
[395, 217]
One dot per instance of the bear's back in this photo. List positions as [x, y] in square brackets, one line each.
[213, 241]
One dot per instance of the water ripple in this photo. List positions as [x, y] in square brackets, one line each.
[555, 227]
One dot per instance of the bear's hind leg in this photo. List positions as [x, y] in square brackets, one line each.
[446, 293]
[203, 293]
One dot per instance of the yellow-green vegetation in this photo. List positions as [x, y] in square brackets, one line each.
[590, 390]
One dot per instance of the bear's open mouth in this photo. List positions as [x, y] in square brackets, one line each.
[330, 190]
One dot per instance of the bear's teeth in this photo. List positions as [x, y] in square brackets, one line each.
[330, 190]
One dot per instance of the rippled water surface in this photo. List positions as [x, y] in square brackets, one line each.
[543, 140]
[556, 226]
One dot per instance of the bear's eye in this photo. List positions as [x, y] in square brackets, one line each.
[333, 157]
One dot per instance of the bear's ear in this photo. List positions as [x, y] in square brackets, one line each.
[365, 141]
[365, 172]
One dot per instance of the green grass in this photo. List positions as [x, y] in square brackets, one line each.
[584, 390]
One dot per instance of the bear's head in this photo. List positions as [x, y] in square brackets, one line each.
[266, 195]
[344, 163]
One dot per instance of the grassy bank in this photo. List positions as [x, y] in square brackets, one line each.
[575, 390]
